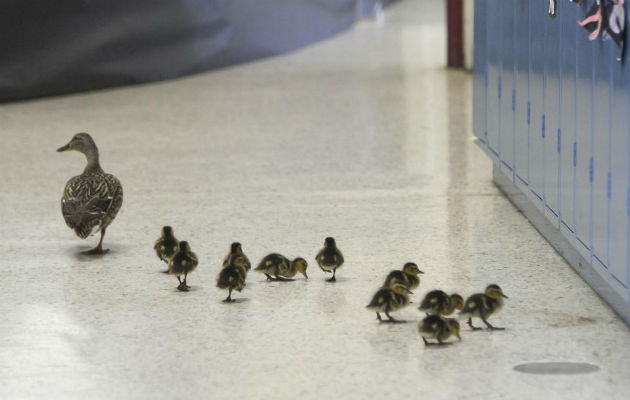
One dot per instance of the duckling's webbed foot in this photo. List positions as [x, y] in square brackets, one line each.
[474, 328]
[182, 287]
[492, 328]
[269, 278]
[333, 279]
[392, 320]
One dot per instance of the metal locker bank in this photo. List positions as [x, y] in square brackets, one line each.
[552, 111]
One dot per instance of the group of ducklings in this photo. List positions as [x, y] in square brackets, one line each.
[276, 267]
[398, 285]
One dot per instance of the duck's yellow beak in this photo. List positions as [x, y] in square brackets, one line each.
[64, 148]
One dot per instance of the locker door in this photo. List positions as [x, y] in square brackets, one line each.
[620, 171]
[537, 17]
[479, 78]
[521, 126]
[567, 13]
[551, 132]
[493, 50]
[508, 95]
[601, 145]
[583, 130]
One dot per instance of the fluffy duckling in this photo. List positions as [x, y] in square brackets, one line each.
[388, 299]
[436, 327]
[408, 276]
[436, 302]
[329, 258]
[277, 267]
[167, 245]
[232, 277]
[90, 201]
[236, 256]
[183, 263]
[483, 305]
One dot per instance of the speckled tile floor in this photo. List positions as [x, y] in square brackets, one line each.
[363, 137]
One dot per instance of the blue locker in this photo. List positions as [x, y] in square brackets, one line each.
[552, 133]
[567, 13]
[493, 53]
[620, 171]
[537, 18]
[521, 84]
[603, 57]
[508, 95]
[479, 71]
[583, 134]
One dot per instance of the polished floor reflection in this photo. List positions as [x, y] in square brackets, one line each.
[363, 137]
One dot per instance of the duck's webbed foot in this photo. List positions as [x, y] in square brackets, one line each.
[97, 251]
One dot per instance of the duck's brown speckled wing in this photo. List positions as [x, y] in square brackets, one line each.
[91, 201]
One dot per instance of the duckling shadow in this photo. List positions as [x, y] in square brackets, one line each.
[437, 346]
[240, 300]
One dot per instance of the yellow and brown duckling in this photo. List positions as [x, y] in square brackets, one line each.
[483, 305]
[237, 257]
[389, 299]
[167, 245]
[439, 328]
[230, 278]
[91, 200]
[436, 302]
[183, 263]
[277, 267]
[408, 276]
[330, 258]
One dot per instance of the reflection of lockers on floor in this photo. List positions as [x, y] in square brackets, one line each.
[552, 109]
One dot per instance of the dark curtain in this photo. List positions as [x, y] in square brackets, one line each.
[50, 47]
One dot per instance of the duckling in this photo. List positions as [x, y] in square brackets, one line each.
[388, 299]
[281, 267]
[436, 327]
[408, 276]
[330, 258]
[232, 277]
[436, 302]
[91, 200]
[236, 255]
[167, 245]
[483, 305]
[183, 263]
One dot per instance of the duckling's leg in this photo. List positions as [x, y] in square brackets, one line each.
[492, 328]
[269, 278]
[185, 278]
[378, 316]
[426, 342]
[333, 279]
[229, 298]
[182, 285]
[474, 328]
[98, 250]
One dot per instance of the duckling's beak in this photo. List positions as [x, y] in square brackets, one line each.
[64, 148]
[420, 272]
[504, 296]
[304, 273]
[409, 291]
[459, 337]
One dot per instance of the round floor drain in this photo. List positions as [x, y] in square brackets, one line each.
[556, 368]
